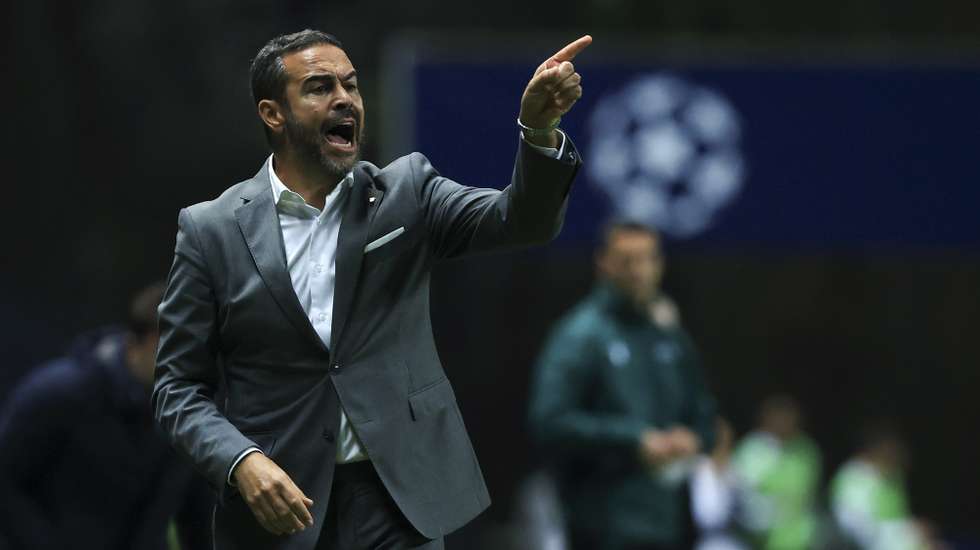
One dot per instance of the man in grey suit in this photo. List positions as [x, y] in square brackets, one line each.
[303, 293]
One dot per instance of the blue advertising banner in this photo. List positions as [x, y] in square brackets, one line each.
[768, 155]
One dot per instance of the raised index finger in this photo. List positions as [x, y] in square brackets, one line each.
[570, 51]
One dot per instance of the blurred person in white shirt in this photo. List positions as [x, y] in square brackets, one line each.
[715, 495]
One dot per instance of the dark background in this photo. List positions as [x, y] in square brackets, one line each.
[119, 113]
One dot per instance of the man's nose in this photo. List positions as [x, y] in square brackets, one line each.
[342, 99]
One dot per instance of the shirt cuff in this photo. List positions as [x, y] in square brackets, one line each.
[549, 151]
[245, 453]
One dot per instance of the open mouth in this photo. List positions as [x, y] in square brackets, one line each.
[341, 135]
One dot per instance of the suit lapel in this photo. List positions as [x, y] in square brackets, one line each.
[364, 201]
[259, 223]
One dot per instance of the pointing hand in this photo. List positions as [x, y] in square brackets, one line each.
[554, 88]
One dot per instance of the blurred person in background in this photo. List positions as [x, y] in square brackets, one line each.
[618, 404]
[83, 464]
[715, 495]
[868, 499]
[304, 293]
[779, 467]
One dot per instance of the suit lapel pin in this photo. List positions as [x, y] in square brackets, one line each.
[371, 200]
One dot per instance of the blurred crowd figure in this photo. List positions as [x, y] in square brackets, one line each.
[715, 497]
[779, 467]
[766, 494]
[83, 464]
[868, 499]
[636, 458]
[618, 404]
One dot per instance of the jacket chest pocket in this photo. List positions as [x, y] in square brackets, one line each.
[391, 241]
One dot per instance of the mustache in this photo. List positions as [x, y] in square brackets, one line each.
[338, 116]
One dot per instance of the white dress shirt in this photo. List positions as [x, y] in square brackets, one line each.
[310, 238]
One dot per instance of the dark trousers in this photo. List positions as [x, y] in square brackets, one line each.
[361, 515]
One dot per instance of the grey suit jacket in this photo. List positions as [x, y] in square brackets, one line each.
[230, 319]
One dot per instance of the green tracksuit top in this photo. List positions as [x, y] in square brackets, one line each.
[607, 374]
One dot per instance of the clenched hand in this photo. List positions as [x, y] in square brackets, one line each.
[660, 447]
[278, 504]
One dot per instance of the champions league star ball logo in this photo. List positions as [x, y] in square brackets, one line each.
[666, 152]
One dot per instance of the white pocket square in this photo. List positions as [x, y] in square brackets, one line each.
[381, 241]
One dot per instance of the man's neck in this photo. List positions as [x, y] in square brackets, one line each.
[307, 179]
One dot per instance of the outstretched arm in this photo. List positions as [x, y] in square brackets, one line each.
[530, 210]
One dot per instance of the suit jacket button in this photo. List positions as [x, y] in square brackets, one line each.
[328, 435]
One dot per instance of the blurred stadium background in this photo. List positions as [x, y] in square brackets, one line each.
[814, 165]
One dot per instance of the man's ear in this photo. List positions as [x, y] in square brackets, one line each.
[272, 115]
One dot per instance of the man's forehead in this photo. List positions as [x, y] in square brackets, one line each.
[317, 59]
[633, 238]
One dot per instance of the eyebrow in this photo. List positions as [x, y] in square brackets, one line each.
[329, 77]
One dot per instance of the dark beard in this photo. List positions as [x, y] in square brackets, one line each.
[308, 143]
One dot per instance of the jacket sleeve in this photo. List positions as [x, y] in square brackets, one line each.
[561, 418]
[187, 375]
[462, 220]
[701, 408]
